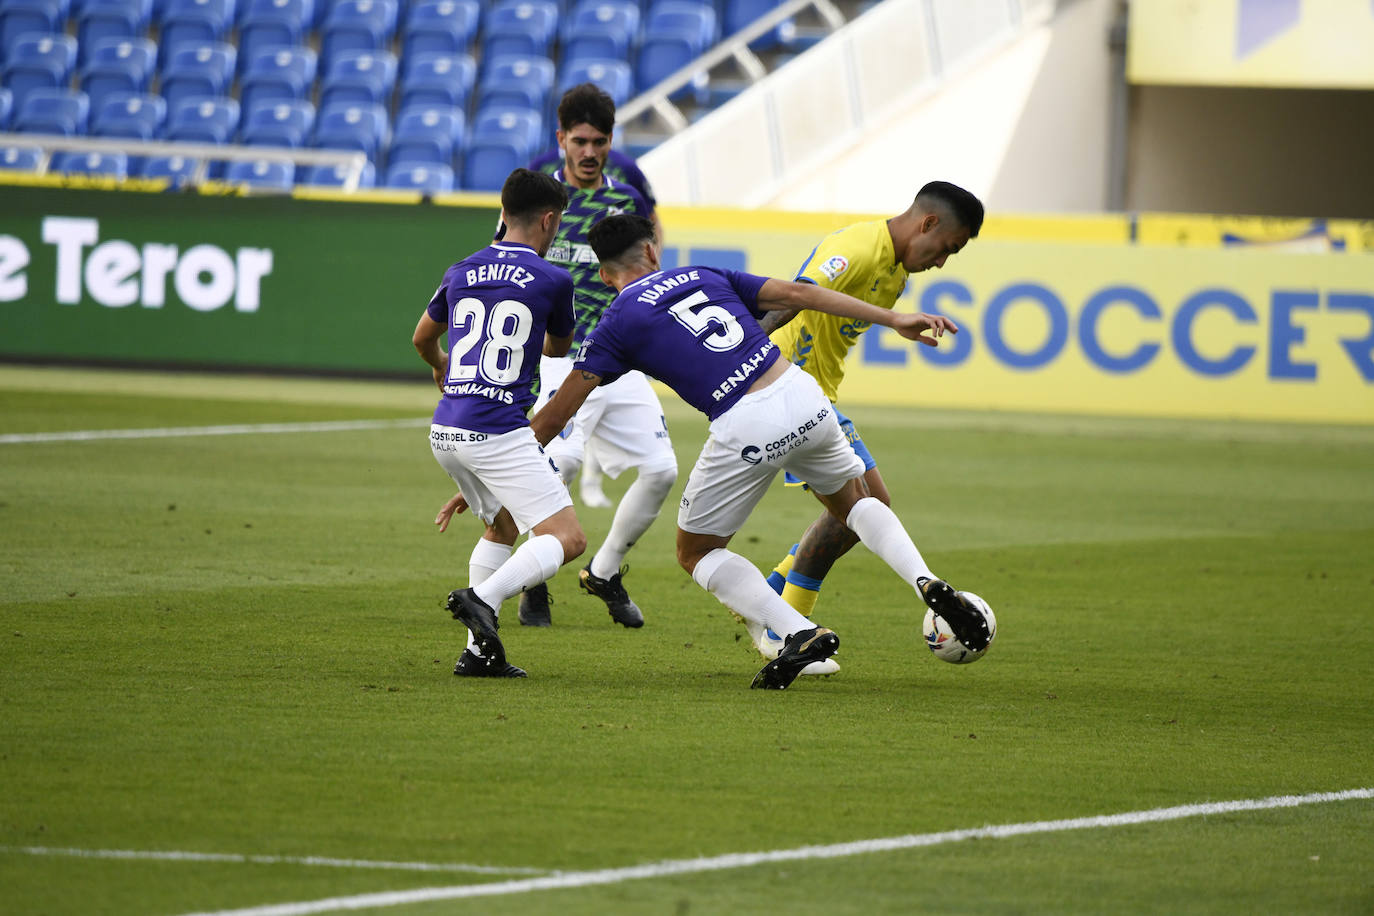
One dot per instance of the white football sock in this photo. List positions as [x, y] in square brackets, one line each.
[882, 532]
[533, 562]
[738, 585]
[637, 510]
[487, 557]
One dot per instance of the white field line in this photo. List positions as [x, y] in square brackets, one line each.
[177, 856]
[746, 859]
[233, 429]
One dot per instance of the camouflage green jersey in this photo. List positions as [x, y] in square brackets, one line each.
[570, 249]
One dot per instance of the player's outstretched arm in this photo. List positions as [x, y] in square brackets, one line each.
[555, 415]
[426, 341]
[557, 346]
[785, 294]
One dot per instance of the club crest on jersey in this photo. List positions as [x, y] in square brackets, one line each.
[835, 266]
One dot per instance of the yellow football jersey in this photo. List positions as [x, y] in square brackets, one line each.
[858, 260]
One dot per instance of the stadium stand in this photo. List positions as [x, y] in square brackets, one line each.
[272, 24]
[184, 70]
[193, 22]
[115, 165]
[437, 79]
[178, 170]
[197, 71]
[420, 176]
[37, 61]
[441, 27]
[427, 134]
[53, 111]
[20, 158]
[523, 27]
[516, 81]
[99, 20]
[336, 175]
[118, 65]
[361, 77]
[28, 17]
[278, 123]
[262, 174]
[278, 74]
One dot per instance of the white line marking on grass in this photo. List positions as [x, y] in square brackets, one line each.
[747, 859]
[233, 429]
[177, 856]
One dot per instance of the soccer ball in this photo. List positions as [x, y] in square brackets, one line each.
[945, 645]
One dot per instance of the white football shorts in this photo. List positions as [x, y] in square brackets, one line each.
[790, 425]
[500, 469]
[623, 421]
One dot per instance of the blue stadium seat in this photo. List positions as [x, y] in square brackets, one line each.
[520, 27]
[38, 62]
[100, 20]
[20, 158]
[740, 13]
[357, 25]
[193, 22]
[521, 128]
[517, 82]
[138, 117]
[437, 79]
[272, 24]
[203, 121]
[613, 76]
[203, 71]
[441, 26]
[113, 164]
[420, 176]
[356, 127]
[604, 29]
[118, 66]
[278, 123]
[22, 17]
[53, 111]
[283, 74]
[427, 134]
[6, 106]
[676, 33]
[360, 77]
[178, 170]
[487, 163]
[335, 175]
[262, 173]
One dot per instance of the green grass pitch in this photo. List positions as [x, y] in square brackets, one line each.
[236, 645]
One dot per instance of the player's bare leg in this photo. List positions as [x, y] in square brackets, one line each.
[882, 532]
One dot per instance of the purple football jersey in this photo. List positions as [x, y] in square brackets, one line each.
[695, 329]
[497, 303]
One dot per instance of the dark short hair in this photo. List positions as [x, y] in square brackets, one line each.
[967, 209]
[587, 103]
[527, 195]
[615, 235]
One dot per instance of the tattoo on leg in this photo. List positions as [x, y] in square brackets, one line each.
[824, 542]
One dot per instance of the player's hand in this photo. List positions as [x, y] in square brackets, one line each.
[455, 506]
[914, 327]
[440, 373]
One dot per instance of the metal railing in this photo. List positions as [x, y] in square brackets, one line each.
[656, 98]
[204, 153]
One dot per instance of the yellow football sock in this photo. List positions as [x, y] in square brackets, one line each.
[803, 600]
[785, 565]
